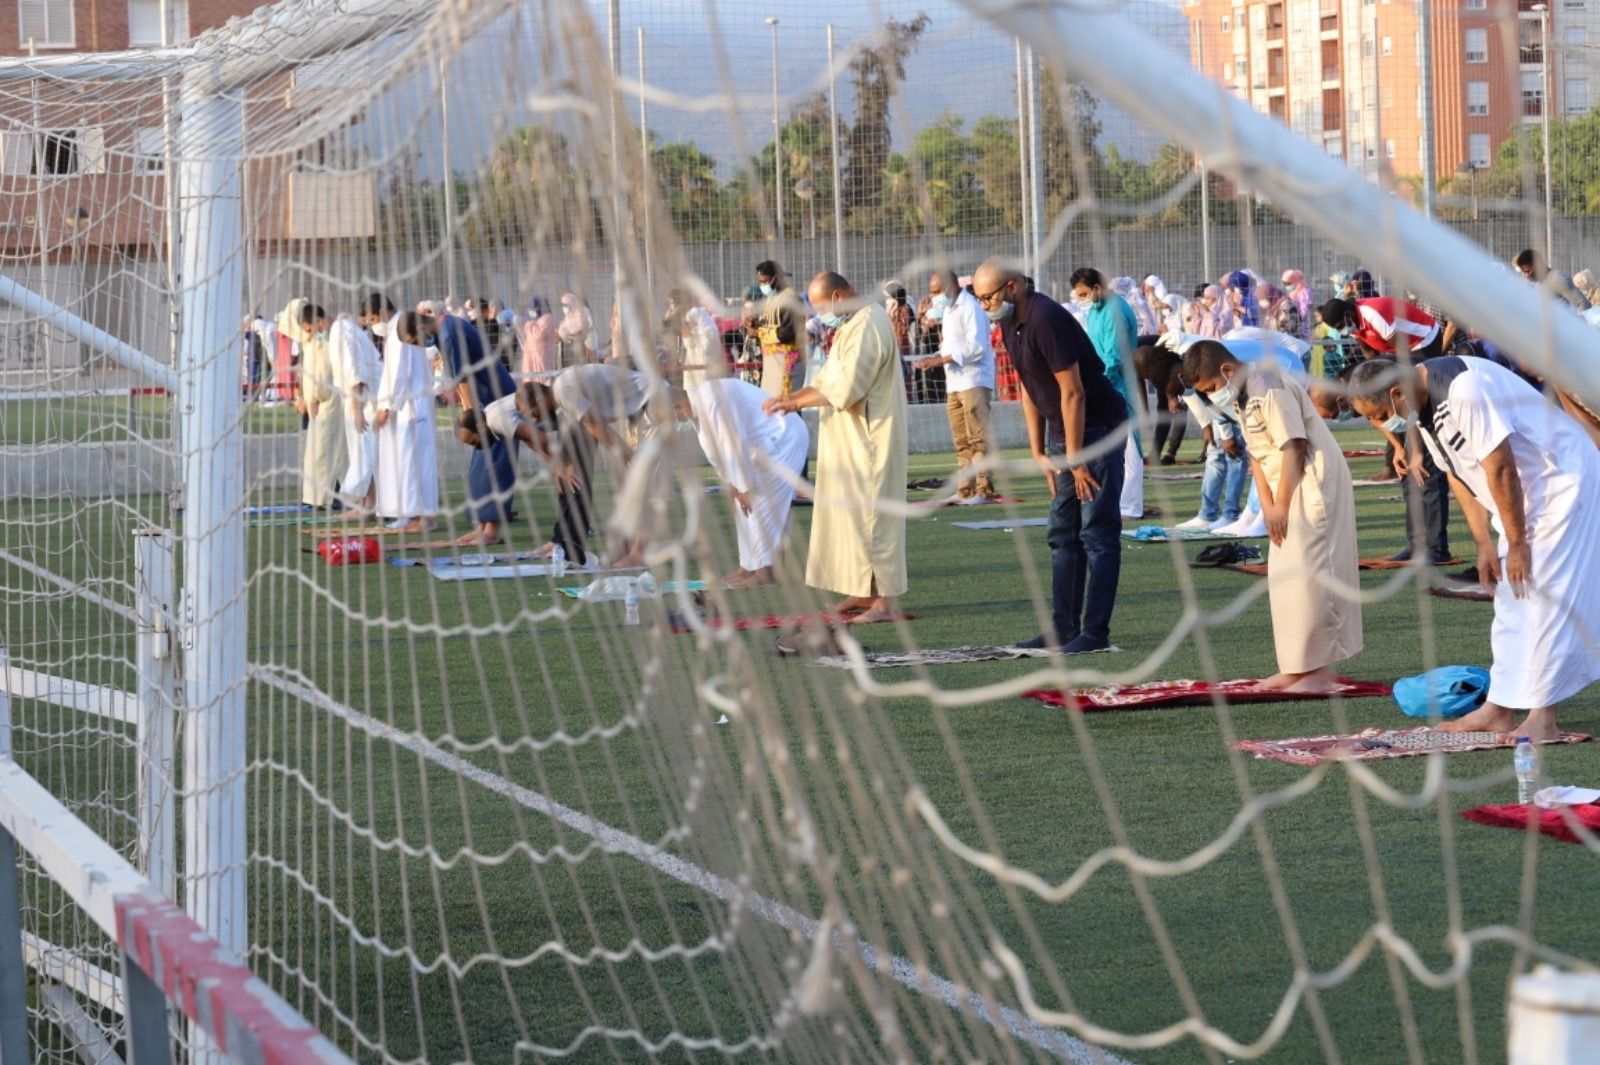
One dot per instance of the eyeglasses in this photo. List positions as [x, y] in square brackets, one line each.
[993, 295]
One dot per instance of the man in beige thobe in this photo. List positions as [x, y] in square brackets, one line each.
[323, 462]
[1309, 506]
[857, 548]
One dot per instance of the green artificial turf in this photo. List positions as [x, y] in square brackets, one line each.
[480, 882]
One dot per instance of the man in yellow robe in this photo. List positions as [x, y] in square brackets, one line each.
[323, 462]
[857, 548]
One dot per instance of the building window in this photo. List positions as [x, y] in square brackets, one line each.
[1240, 68]
[56, 152]
[1477, 98]
[1387, 97]
[144, 22]
[1532, 93]
[1475, 5]
[149, 150]
[1576, 36]
[1372, 149]
[1388, 149]
[1366, 48]
[1478, 151]
[1575, 97]
[1477, 46]
[45, 23]
[1332, 110]
[1388, 46]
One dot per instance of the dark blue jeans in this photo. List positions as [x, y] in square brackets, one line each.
[491, 480]
[1086, 546]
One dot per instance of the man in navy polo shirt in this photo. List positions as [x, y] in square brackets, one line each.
[1077, 429]
[481, 378]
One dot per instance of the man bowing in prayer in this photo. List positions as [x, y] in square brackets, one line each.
[758, 458]
[481, 379]
[858, 549]
[1523, 468]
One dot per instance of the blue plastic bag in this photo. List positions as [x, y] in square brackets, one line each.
[1454, 690]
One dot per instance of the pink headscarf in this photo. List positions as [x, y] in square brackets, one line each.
[1300, 292]
[1217, 319]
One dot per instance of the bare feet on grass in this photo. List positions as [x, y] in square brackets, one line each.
[1316, 682]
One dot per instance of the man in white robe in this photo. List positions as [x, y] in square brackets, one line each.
[408, 461]
[858, 548]
[323, 461]
[1521, 468]
[358, 370]
[758, 457]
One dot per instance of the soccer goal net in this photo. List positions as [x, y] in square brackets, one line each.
[389, 577]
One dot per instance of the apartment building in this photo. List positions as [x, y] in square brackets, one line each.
[1347, 74]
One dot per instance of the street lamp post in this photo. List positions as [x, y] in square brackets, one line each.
[1470, 169]
[1544, 123]
[777, 132]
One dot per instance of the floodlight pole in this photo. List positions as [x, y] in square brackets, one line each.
[648, 184]
[833, 143]
[1544, 124]
[1026, 185]
[777, 135]
[1035, 168]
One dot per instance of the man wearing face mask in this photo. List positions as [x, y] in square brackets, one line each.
[1524, 469]
[1113, 328]
[324, 460]
[1075, 421]
[1310, 509]
[858, 547]
[967, 358]
[779, 321]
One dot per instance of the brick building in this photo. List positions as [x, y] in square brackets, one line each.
[1346, 74]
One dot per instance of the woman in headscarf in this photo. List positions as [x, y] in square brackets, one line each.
[1294, 282]
[1242, 294]
[1342, 288]
[1214, 317]
[1278, 311]
[576, 332]
[1149, 325]
[1168, 307]
[537, 334]
[1365, 287]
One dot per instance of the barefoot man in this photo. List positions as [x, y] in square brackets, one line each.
[1310, 509]
[1523, 468]
[857, 548]
[408, 462]
[757, 457]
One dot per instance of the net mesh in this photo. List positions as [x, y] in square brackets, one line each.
[484, 820]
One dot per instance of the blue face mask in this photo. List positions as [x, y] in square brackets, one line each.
[766, 290]
[831, 320]
[941, 300]
[1226, 395]
[1398, 423]
[1000, 313]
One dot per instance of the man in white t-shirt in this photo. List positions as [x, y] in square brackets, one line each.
[1522, 468]
[967, 355]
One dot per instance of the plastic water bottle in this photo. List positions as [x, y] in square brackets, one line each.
[1526, 761]
[630, 607]
[558, 560]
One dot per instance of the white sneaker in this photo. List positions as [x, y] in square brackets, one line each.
[1196, 522]
[1221, 523]
[1232, 528]
[1250, 525]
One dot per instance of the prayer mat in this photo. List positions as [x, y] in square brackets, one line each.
[1018, 523]
[1195, 476]
[1376, 744]
[784, 621]
[486, 573]
[322, 530]
[1188, 536]
[284, 508]
[1255, 569]
[1149, 512]
[436, 545]
[1476, 593]
[1374, 482]
[1550, 823]
[1364, 453]
[982, 501]
[944, 656]
[1384, 563]
[1158, 693]
[309, 517]
[617, 597]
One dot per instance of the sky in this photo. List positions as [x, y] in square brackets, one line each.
[962, 66]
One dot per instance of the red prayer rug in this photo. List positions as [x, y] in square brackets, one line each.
[1158, 693]
[1557, 822]
[1477, 593]
[787, 621]
[1364, 453]
[1376, 744]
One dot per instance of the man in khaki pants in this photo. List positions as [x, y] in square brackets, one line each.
[968, 360]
